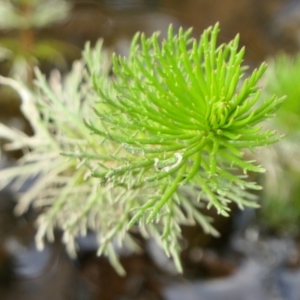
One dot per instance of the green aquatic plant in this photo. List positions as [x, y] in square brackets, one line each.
[170, 125]
[183, 111]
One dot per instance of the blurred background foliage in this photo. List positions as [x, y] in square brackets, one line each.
[21, 49]
[281, 196]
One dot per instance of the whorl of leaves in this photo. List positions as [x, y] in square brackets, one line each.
[183, 110]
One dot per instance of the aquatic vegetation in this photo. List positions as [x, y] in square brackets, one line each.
[169, 128]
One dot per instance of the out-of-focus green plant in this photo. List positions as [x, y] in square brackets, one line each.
[281, 79]
[169, 129]
[21, 19]
[280, 199]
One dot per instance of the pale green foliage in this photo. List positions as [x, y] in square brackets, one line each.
[169, 125]
[63, 191]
